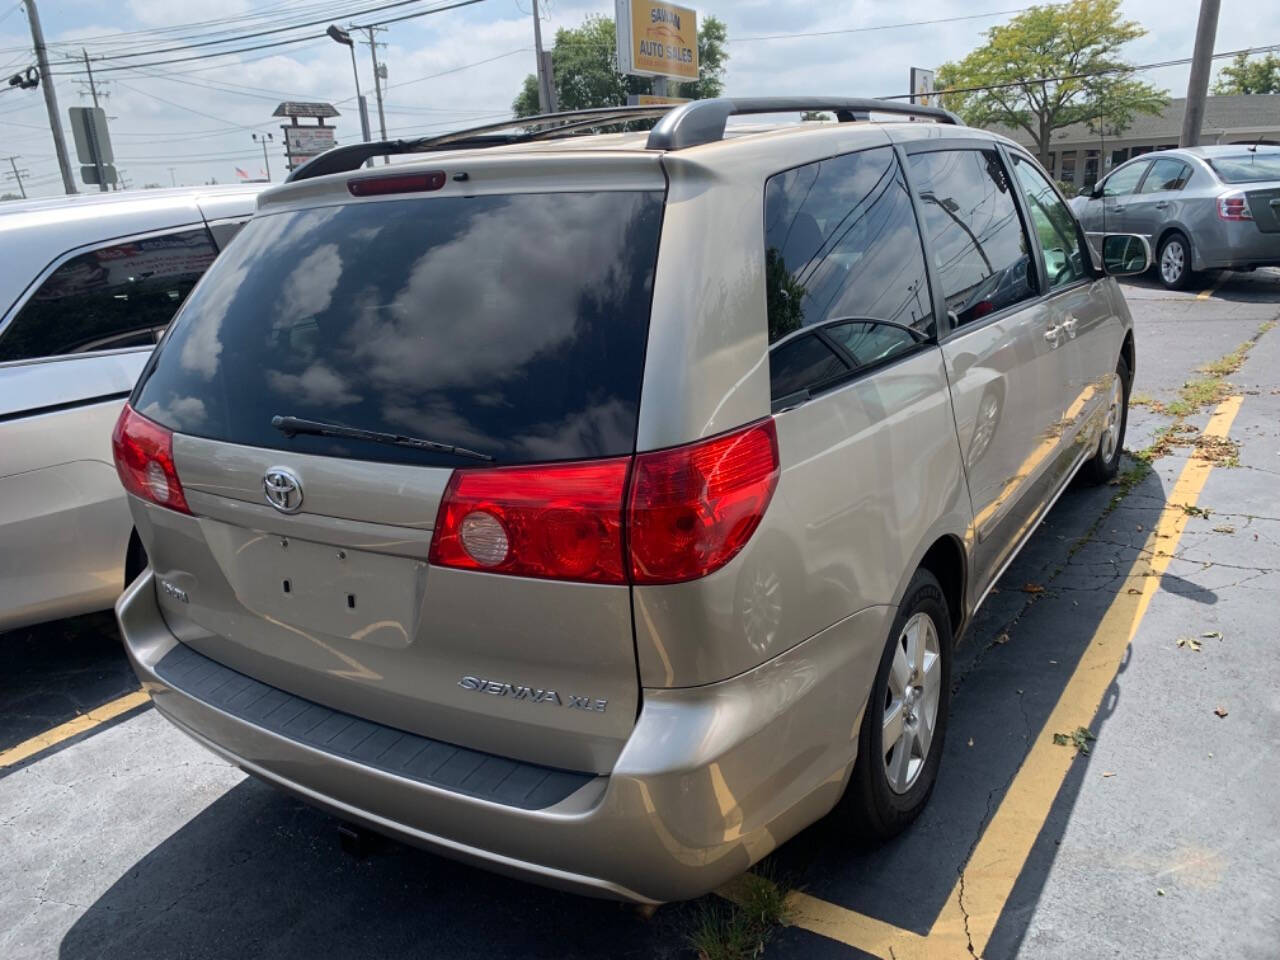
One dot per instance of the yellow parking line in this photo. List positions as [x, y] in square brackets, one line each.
[996, 862]
[64, 731]
[1206, 294]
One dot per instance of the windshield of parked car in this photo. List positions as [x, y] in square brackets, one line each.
[512, 325]
[1247, 167]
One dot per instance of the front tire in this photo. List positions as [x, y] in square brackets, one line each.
[1105, 463]
[1173, 262]
[905, 722]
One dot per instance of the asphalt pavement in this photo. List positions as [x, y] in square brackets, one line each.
[124, 838]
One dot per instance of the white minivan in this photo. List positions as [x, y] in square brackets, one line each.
[89, 284]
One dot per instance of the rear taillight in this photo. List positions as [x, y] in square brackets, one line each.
[560, 521]
[1234, 206]
[396, 183]
[143, 453]
[689, 511]
[692, 508]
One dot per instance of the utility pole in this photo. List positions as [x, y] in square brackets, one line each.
[50, 97]
[264, 139]
[89, 70]
[546, 93]
[1198, 85]
[102, 177]
[17, 175]
[377, 82]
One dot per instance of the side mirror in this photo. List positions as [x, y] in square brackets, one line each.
[1096, 192]
[1125, 254]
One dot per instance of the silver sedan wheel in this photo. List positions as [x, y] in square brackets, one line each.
[1115, 416]
[1173, 261]
[911, 702]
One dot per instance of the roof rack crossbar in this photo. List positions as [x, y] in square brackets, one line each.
[539, 127]
[703, 121]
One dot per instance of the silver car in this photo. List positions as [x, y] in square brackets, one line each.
[603, 510]
[1201, 208]
[89, 283]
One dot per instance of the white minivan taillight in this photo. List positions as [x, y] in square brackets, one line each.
[143, 452]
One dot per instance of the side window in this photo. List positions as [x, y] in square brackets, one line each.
[841, 241]
[1124, 181]
[1166, 174]
[869, 343]
[111, 297]
[803, 363]
[1056, 231]
[980, 250]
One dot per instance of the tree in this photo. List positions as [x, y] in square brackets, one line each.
[1243, 75]
[816, 115]
[1019, 58]
[585, 69]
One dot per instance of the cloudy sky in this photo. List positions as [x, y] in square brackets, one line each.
[191, 121]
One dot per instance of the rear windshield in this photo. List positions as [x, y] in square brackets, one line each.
[513, 325]
[1247, 168]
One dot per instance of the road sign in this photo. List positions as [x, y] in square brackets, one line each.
[89, 174]
[922, 86]
[89, 128]
[656, 39]
[306, 142]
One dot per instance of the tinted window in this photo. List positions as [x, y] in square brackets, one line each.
[841, 241]
[1124, 181]
[109, 298]
[1166, 174]
[803, 363]
[1055, 226]
[512, 325]
[980, 250]
[1247, 167]
[870, 343]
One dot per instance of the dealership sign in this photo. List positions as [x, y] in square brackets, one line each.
[657, 39]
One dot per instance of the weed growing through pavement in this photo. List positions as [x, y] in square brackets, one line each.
[739, 929]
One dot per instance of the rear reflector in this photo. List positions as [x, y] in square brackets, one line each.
[560, 521]
[398, 183]
[692, 508]
[143, 452]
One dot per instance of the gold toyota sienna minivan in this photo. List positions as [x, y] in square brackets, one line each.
[603, 508]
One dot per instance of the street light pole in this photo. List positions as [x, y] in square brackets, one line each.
[50, 98]
[338, 35]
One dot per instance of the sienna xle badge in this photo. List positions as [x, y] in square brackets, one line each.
[604, 509]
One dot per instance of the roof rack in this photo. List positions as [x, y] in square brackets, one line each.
[543, 126]
[679, 126]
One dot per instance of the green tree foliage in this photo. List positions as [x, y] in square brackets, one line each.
[1242, 75]
[1080, 37]
[585, 69]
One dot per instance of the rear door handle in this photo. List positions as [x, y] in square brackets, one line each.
[1069, 325]
[1163, 204]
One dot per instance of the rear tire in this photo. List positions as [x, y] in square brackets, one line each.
[1173, 262]
[909, 701]
[1105, 463]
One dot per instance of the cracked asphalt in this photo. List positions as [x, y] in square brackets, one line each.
[1163, 841]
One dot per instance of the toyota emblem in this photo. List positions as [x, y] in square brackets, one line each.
[283, 489]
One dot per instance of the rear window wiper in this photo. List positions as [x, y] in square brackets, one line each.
[291, 426]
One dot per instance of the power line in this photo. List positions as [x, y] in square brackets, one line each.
[886, 26]
[295, 26]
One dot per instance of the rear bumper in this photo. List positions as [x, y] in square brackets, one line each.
[712, 778]
[1224, 245]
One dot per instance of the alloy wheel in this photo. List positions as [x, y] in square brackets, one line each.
[911, 702]
[1172, 261]
[1111, 425]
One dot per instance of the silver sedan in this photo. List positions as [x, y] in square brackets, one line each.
[1203, 208]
